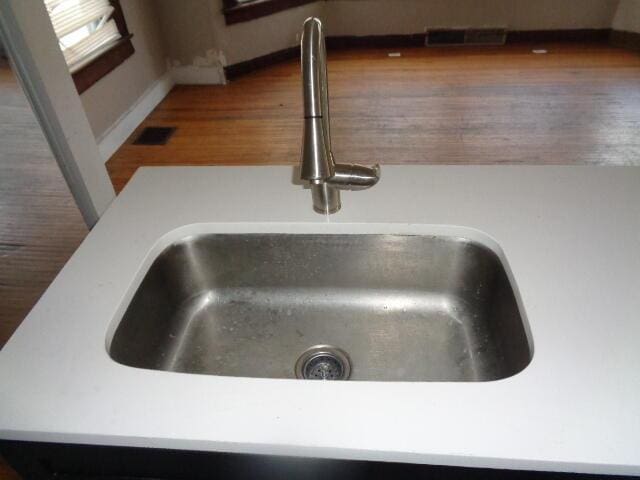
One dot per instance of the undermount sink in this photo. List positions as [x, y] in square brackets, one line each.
[366, 307]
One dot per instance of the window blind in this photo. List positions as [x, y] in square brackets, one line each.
[84, 29]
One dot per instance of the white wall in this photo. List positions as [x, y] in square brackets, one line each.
[378, 17]
[197, 34]
[191, 42]
[628, 16]
[248, 40]
[113, 96]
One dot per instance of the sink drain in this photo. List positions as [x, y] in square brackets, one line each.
[323, 362]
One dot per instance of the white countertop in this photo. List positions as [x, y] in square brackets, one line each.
[571, 236]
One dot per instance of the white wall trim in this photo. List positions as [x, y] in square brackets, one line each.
[31, 43]
[118, 133]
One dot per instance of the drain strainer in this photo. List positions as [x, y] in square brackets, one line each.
[323, 362]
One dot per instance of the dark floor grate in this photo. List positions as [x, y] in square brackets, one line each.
[486, 36]
[445, 37]
[154, 136]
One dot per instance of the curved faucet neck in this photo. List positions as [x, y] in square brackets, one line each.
[317, 159]
[318, 166]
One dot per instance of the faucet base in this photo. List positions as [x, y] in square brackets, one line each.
[326, 198]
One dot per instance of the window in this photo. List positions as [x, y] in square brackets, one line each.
[93, 37]
[236, 11]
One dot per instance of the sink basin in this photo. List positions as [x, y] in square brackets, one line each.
[396, 307]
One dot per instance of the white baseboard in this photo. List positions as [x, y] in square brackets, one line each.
[115, 137]
[193, 75]
[129, 121]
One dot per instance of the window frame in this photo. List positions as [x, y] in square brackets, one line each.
[108, 60]
[236, 11]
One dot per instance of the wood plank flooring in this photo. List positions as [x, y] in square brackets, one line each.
[577, 104]
[40, 224]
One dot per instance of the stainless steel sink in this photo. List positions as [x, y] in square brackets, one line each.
[393, 308]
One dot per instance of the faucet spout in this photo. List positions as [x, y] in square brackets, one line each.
[318, 166]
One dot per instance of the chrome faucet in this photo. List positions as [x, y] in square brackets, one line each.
[319, 168]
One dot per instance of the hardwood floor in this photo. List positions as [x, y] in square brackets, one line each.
[577, 104]
[40, 225]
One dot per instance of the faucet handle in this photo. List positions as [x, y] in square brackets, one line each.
[355, 177]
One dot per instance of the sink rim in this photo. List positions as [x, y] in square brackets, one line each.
[454, 232]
